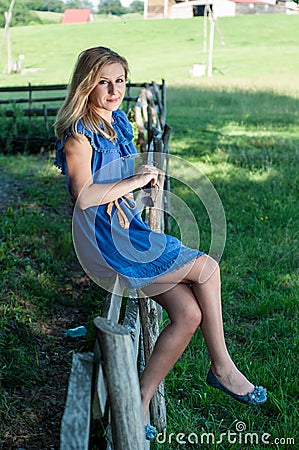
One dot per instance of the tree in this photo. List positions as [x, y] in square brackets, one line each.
[79, 4]
[35, 5]
[137, 6]
[111, 7]
[21, 14]
[46, 5]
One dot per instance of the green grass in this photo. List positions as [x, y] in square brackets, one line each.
[247, 144]
[258, 49]
[49, 16]
[39, 278]
[240, 128]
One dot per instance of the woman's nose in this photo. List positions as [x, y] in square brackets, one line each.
[112, 88]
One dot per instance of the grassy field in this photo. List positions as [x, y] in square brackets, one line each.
[258, 50]
[247, 143]
[241, 128]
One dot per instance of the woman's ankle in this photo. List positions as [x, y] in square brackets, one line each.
[223, 368]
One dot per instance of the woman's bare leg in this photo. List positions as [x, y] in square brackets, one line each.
[185, 316]
[208, 295]
[202, 298]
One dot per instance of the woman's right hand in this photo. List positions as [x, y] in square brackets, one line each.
[147, 174]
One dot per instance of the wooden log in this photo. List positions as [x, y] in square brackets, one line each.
[33, 112]
[132, 323]
[100, 393]
[52, 87]
[76, 418]
[36, 100]
[151, 104]
[156, 212]
[46, 120]
[150, 312]
[112, 304]
[49, 87]
[128, 93]
[140, 127]
[127, 98]
[150, 330]
[123, 387]
[163, 99]
[165, 138]
[159, 103]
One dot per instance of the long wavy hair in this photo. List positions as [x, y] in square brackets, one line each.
[85, 78]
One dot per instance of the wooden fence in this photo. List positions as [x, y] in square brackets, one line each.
[27, 113]
[105, 383]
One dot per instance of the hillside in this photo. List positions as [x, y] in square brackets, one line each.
[258, 50]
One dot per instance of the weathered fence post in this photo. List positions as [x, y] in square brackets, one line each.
[150, 317]
[123, 386]
[150, 326]
[150, 312]
[75, 425]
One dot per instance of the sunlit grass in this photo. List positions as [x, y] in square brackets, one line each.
[249, 151]
[265, 56]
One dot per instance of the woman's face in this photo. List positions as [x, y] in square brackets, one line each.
[109, 93]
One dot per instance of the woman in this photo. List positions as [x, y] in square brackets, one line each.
[95, 151]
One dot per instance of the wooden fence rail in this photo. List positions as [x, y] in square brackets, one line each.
[25, 106]
[22, 95]
[127, 331]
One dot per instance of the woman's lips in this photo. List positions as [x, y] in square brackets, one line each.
[112, 100]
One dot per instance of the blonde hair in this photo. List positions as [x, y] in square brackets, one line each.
[85, 78]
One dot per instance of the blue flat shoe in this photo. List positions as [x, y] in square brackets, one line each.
[257, 397]
[150, 432]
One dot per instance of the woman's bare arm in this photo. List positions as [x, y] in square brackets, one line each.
[78, 153]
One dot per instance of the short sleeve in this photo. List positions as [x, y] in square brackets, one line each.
[60, 155]
[123, 144]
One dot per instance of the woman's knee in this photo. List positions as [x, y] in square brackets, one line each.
[189, 318]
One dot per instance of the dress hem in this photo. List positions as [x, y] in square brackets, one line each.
[153, 278]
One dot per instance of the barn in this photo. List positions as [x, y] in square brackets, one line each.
[154, 9]
[72, 15]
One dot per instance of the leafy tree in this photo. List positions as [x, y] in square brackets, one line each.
[80, 4]
[46, 5]
[111, 7]
[21, 15]
[35, 5]
[86, 4]
[137, 6]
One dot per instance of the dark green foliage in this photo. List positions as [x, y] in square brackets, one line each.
[113, 7]
[43, 5]
[80, 4]
[136, 6]
[21, 14]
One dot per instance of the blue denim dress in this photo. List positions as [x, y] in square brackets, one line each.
[104, 246]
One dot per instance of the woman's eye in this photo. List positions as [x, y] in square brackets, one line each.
[118, 80]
